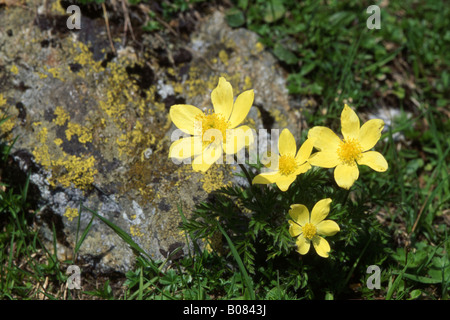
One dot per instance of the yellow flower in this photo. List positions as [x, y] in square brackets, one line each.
[345, 155]
[308, 228]
[290, 163]
[215, 131]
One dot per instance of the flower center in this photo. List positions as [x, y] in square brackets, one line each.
[287, 164]
[349, 151]
[213, 126]
[309, 231]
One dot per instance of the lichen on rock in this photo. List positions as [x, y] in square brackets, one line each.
[97, 126]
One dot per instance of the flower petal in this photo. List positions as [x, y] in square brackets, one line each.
[374, 160]
[349, 123]
[207, 158]
[222, 98]
[238, 138]
[302, 168]
[185, 147]
[327, 228]
[322, 246]
[303, 244]
[370, 133]
[320, 210]
[284, 182]
[184, 116]
[294, 228]
[286, 143]
[241, 108]
[299, 213]
[325, 139]
[266, 178]
[346, 175]
[305, 151]
[324, 159]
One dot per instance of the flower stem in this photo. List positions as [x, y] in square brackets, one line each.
[244, 170]
[247, 175]
[347, 193]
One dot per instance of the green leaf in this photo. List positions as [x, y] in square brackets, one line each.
[235, 18]
[341, 18]
[243, 4]
[274, 11]
[436, 274]
[422, 279]
[415, 294]
[284, 54]
[307, 68]
[393, 286]
[441, 262]
[414, 165]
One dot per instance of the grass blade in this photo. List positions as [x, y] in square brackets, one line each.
[83, 236]
[121, 233]
[247, 280]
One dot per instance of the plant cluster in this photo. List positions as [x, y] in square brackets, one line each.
[260, 224]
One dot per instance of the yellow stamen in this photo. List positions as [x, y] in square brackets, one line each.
[349, 151]
[309, 230]
[214, 121]
[287, 164]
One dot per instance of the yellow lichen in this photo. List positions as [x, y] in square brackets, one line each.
[85, 57]
[71, 213]
[118, 97]
[55, 72]
[67, 170]
[8, 122]
[170, 71]
[42, 135]
[14, 69]
[136, 133]
[136, 231]
[134, 140]
[223, 56]
[57, 141]
[259, 47]
[178, 88]
[42, 156]
[61, 116]
[83, 133]
[2, 100]
[279, 118]
[248, 84]
[7, 125]
[196, 86]
[76, 171]
[140, 176]
[122, 141]
[122, 101]
[213, 180]
[57, 8]
[184, 174]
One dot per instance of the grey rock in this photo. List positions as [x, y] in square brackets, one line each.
[94, 132]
